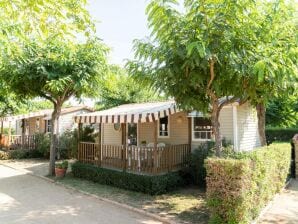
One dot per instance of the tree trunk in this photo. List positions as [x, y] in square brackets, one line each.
[216, 127]
[261, 112]
[54, 137]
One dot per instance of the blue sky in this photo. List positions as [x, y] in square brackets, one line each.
[120, 22]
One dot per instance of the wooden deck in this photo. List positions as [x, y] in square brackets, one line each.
[137, 159]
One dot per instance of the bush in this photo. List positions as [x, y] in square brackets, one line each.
[43, 142]
[238, 187]
[147, 184]
[19, 154]
[280, 134]
[197, 169]
[68, 141]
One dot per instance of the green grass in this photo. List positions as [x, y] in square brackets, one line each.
[187, 205]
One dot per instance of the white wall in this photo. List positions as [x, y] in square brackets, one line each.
[247, 121]
[226, 126]
[66, 121]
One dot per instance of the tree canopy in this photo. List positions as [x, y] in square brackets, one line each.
[56, 71]
[208, 50]
[282, 112]
[117, 88]
[21, 22]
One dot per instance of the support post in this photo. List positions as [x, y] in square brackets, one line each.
[124, 146]
[99, 144]
[138, 133]
[189, 130]
[78, 140]
[23, 133]
[9, 134]
[1, 135]
[155, 147]
[101, 140]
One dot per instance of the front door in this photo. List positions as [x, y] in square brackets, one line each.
[132, 130]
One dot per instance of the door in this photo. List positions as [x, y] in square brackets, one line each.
[132, 130]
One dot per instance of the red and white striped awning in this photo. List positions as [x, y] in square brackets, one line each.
[130, 113]
[40, 113]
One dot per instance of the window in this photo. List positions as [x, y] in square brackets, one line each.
[48, 126]
[163, 127]
[201, 128]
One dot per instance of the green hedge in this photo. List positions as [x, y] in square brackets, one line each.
[147, 184]
[240, 186]
[280, 134]
[19, 154]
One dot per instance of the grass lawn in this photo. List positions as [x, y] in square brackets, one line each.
[186, 205]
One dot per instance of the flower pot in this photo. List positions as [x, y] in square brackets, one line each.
[60, 172]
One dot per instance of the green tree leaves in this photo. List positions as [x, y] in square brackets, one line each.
[211, 49]
[117, 88]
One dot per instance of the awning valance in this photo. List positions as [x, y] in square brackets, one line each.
[130, 113]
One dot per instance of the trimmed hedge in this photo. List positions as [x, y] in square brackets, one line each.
[147, 184]
[280, 134]
[19, 154]
[238, 187]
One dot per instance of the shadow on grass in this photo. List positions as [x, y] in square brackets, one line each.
[187, 205]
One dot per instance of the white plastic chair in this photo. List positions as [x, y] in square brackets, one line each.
[161, 144]
[151, 144]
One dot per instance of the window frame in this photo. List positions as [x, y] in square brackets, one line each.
[158, 126]
[48, 124]
[193, 133]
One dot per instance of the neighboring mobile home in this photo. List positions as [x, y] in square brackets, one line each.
[133, 134]
[27, 125]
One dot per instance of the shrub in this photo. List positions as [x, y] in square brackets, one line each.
[239, 186]
[43, 142]
[142, 183]
[280, 134]
[19, 154]
[4, 155]
[197, 169]
[68, 141]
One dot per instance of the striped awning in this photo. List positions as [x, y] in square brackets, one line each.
[25, 116]
[130, 113]
[46, 114]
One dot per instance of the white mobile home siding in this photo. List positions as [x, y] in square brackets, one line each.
[247, 121]
[66, 121]
[226, 126]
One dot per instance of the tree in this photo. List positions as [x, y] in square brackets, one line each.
[28, 27]
[117, 88]
[22, 21]
[191, 54]
[282, 112]
[274, 62]
[56, 71]
[207, 54]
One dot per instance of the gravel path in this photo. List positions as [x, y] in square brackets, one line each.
[284, 209]
[28, 199]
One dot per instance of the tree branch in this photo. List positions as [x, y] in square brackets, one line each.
[44, 95]
[228, 101]
[212, 75]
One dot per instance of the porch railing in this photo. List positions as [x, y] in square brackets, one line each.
[148, 160]
[18, 141]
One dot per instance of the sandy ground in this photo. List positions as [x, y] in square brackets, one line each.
[284, 209]
[28, 199]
